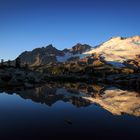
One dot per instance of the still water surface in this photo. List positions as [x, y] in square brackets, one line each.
[70, 111]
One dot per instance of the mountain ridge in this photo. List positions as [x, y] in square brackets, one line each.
[50, 54]
[115, 51]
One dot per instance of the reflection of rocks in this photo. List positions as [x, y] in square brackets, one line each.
[41, 95]
[50, 95]
[114, 100]
[119, 101]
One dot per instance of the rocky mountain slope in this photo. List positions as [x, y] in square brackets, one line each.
[50, 54]
[40, 56]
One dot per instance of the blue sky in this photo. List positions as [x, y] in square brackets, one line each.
[27, 24]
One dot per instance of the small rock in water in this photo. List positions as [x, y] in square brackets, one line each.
[68, 121]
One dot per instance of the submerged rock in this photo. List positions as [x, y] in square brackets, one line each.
[68, 121]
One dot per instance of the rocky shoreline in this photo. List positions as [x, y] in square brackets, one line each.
[19, 77]
[11, 77]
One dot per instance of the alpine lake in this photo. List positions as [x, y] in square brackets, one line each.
[70, 111]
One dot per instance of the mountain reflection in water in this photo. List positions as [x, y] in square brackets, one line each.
[112, 99]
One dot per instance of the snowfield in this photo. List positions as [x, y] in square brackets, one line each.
[70, 55]
[117, 50]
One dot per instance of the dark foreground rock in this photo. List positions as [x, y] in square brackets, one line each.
[14, 77]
